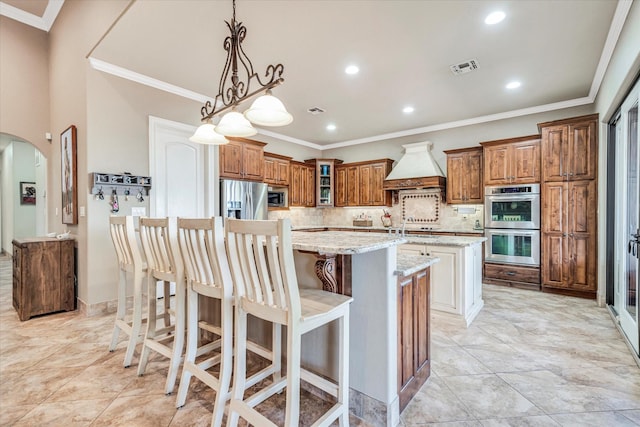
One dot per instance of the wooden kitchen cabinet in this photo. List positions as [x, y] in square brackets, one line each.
[569, 149]
[361, 183]
[568, 195]
[276, 169]
[242, 159]
[512, 161]
[568, 237]
[43, 276]
[302, 184]
[464, 176]
[414, 365]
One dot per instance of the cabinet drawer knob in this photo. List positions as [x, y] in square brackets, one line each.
[511, 273]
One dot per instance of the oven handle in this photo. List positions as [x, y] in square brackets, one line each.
[514, 197]
[511, 231]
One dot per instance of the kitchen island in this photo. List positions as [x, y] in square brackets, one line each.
[456, 289]
[366, 266]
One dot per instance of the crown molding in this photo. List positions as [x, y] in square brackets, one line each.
[143, 79]
[617, 23]
[43, 23]
[466, 122]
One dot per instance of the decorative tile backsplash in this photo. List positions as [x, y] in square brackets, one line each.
[421, 207]
[448, 217]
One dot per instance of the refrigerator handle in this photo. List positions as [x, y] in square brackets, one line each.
[249, 205]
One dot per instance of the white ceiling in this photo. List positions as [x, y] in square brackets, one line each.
[557, 49]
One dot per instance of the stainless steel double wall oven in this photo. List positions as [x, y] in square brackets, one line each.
[512, 224]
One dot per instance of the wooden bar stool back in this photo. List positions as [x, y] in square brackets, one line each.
[202, 250]
[265, 285]
[130, 261]
[159, 238]
[208, 275]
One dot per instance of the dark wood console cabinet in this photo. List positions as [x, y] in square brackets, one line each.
[43, 276]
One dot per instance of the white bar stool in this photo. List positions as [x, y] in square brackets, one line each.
[204, 256]
[265, 285]
[159, 238]
[130, 261]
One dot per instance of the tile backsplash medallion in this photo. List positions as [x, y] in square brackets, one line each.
[428, 211]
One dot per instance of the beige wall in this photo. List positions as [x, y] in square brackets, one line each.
[24, 83]
[78, 27]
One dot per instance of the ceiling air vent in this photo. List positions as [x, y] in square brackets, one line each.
[315, 110]
[464, 67]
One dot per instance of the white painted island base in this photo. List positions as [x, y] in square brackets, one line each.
[456, 281]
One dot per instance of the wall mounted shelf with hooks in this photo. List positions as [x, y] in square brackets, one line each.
[122, 184]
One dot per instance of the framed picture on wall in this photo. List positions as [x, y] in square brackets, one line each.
[69, 176]
[27, 193]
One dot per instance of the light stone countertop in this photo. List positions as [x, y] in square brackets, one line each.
[343, 242]
[479, 232]
[409, 264]
[442, 240]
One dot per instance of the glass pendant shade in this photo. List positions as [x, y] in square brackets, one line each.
[235, 124]
[268, 110]
[206, 134]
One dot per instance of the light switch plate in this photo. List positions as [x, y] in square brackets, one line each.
[140, 211]
[82, 211]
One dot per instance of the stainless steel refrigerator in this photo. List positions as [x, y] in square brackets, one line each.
[243, 199]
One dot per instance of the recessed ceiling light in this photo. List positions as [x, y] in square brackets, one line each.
[494, 17]
[352, 69]
[408, 109]
[513, 85]
[331, 127]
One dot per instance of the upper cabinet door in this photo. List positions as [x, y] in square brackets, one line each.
[526, 162]
[456, 165]
[231, 160]
[253, 162]
[554, 153]
[582, 150]
[496, 165]
[464, 175]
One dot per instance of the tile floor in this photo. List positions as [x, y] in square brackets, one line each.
[529, 359]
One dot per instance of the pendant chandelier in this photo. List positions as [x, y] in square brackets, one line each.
[235, 87]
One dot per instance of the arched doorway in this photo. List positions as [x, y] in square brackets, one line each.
[23, 190]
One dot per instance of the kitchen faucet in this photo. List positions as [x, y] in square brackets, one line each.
[404, 222]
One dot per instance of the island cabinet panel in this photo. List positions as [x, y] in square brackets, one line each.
[242, 159]
[302, 186]
[464, 176]
[43, 276]
[512, 161]
[413, 334]
[276, 169]
[569, 149]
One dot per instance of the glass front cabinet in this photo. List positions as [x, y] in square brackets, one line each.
[325, 181]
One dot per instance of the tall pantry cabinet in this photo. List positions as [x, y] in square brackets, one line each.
[569, 206]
